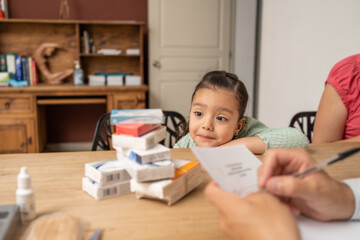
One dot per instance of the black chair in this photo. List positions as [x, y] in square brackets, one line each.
[305, 122]
[175, 125]
[103, 131]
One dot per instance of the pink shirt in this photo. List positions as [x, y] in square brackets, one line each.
[345, 78]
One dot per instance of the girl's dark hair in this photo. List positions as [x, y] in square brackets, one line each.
[221, 80]
[226, 81]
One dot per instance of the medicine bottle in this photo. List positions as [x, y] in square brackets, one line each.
[78, 74]
[25, 196]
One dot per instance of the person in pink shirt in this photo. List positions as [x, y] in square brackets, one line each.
[338, 115]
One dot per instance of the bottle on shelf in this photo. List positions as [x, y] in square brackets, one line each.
[78, 74]
[25, 196]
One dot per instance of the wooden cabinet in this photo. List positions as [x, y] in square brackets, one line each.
[17, 135]
[23, 111]
[17, 123]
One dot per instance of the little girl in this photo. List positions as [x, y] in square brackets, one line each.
[217, 119]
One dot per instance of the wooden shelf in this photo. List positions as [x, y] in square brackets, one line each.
[23, 36]
[63, 21]
[103, 55]
[70, 101]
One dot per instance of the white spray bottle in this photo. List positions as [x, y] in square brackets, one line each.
[25, 196]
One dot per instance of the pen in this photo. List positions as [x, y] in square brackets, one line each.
[96, 235]
[328, 162]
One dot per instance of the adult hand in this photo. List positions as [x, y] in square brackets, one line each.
[316, 195]
[256, 216]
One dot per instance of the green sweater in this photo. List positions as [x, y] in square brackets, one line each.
[272, 137]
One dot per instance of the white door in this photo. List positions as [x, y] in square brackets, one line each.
[187, 38]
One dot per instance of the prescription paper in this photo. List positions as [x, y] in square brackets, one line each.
[234, 168]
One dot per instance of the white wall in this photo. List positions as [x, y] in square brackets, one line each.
[244, 46]
[300, 42]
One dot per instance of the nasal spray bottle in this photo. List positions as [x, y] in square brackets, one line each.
[25, 196]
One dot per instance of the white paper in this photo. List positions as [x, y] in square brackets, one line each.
[233, 168]
[314, 230]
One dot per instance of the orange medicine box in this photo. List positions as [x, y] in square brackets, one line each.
[187, 177]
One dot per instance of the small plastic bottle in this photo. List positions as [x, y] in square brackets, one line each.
[25, 196]
[78, 74]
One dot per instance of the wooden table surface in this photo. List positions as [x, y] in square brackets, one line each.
[56, 178]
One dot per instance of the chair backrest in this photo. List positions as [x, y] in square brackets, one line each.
[103, 131]
[305, 122]
[175, 123]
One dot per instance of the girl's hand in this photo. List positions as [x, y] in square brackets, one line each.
[255, 144]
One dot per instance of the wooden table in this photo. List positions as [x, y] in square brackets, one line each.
[56, 178]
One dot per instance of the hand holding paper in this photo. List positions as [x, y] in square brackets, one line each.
[233, 168]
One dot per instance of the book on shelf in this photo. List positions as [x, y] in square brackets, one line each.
[4, 79]
[25, 69]
[145, 142]
[92, 48]
[4, 76]
[34, 72]
[4, 13]
[187, 177]
[3, 67]
[29, 67]
[18, 68]
[86, 42]
[10, 61]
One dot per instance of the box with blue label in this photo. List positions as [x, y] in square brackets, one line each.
[107, 172]
[146, 116]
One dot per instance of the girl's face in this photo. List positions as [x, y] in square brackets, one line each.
[213, 117]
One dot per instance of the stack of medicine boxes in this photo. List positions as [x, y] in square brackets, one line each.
[138, 133]
[154, 174]
[137, 137]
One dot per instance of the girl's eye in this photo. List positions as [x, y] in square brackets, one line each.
[197, 113]
[221, 118]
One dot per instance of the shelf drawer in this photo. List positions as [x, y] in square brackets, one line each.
[129, 100]
[16, 104]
